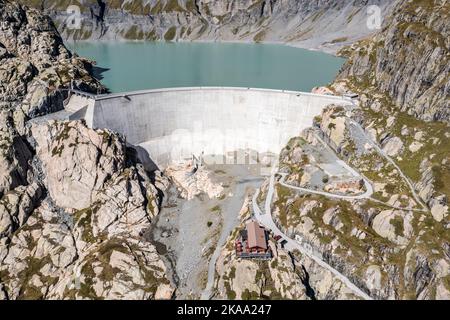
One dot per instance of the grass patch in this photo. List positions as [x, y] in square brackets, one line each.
[170, 34]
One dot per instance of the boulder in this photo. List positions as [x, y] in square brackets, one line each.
[390, 225]
[393, 146]
[322, 90]
[373, 277]
[331, 218]
[334, 125]
[194, 181]
[439, 211]
[415, 146]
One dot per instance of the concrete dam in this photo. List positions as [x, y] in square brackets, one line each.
[174, 124]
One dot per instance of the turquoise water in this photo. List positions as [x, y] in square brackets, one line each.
[150, 65]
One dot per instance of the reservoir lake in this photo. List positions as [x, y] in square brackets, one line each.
[130, 66]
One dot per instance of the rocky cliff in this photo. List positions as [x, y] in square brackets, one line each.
[78, 230]
[322, 24]
[387, 245]
[34, 62]
[402, 75]
[75, 206]
[409, 59]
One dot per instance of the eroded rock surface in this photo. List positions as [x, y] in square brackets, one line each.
[193, 180]
[84, 242]
[326, 24]
[409, 59]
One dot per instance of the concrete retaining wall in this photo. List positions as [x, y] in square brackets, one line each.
[171, 124]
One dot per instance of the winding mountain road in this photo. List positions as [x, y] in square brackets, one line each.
[267, 221]
[266, 218]
[391, 161]
[365, 195]
[368, 194]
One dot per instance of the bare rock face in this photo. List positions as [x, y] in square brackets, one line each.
[14, 155]
[321, 284]
[333, 125]
[16, 206]
[421, 269]
[437, 202]
[390, 224]
[35, 62]
[415, 146]
[42, 245]
[439, 211]
[77, 161]
[86, 239]
[320, 24]
[409, 59]
[126, 205]
[192, 181]
[393, 146]
[45, 260]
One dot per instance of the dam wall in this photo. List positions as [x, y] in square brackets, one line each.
[173, 124]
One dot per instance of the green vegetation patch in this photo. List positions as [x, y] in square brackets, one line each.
[170, 34]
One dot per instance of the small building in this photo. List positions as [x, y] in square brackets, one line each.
[256, 241]
[253, 242]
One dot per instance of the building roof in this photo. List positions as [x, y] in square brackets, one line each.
[256, 235]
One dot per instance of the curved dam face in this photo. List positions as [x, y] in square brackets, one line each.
[174, 124]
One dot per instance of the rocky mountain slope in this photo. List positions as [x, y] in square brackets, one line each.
[389, 245]
[75, 206]
[402, 75]
[325, 24]
[34, 62]
[409, 59]
[85, 237]
[286, 276]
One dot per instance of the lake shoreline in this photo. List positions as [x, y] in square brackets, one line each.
[315, 46]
